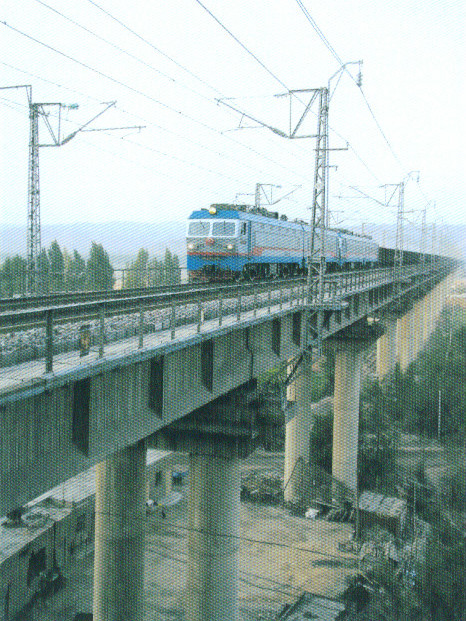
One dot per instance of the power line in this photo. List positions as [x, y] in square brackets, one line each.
[184, 68]
[157, 49]
[139, 92]
[123, 51]
[242, 45]
[108, 77]
[146, 147]
[280, 81]
[204, 531]
[331, 49]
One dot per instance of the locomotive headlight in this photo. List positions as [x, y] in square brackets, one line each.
[190, 246]
[230, 246]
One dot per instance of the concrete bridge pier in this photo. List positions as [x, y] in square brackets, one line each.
[349, 350]
[216, 437]
[348, 367]
[297, 433]
[404, 341]
[386, 349]
[119, 536]
[213, 529]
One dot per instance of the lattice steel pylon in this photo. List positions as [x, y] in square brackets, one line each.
[33, 221]
[39, 111]
[316, 263]
[315, 251]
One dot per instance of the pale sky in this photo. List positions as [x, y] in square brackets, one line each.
[168, 74]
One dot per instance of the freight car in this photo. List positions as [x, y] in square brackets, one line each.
[231, 242]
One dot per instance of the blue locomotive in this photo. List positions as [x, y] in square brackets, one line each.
[227, 242]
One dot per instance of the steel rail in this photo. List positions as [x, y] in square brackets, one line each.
[336, 284]
[233, 299]
[59, 298]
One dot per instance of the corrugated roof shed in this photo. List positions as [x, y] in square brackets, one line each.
[382, 505]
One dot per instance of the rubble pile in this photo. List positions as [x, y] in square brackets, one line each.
[264, 487]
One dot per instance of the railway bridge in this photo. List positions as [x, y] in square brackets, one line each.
[112, 375]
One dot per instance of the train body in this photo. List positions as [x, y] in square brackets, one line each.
[228, 242]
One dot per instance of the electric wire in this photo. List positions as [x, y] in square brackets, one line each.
[181, 557]
[108, 77]
[277, 78]
[245, 48]
[160, 51]
[331, 49]
[230, 536]
[123, 51]
[154, 100]
[157, 49]
[185, 69]
[152, 124]
[137, 162]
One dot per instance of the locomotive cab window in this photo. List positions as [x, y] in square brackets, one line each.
[243, 228]
[198, 228]
[223, 229]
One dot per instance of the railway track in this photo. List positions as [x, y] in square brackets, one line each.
[23, 313]
[58, 299]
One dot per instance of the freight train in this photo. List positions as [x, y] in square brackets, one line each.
[233, 242]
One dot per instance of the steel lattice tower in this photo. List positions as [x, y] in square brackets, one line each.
[33, 229]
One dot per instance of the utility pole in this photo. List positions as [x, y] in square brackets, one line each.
[432, 260]
[399, 245]
[42, 111]
[315, 251]
[33, 221]
[422, 245]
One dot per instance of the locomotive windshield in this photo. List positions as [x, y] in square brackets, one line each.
[223, 229]
[199, 228]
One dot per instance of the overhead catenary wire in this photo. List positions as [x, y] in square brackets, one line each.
[206, 126]
[154, 100]
[157, 49]
[332, 50]
[162, 103]
[245, 48]
[179, 112]
[116, 155]
[271, 73]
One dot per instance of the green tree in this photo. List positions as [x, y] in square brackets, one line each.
[154, 272]
[377, 440]
[99, 271]
[171, 269]
[43, 272]
[75, 271]
[13, 276]
[137, 271]
[176, 270]
[57, 267]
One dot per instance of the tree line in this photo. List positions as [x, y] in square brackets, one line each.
[59, 270]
